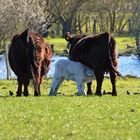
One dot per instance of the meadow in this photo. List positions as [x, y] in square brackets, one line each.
[67, 116]
[121, 45]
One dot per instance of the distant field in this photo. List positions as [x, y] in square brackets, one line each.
[69, 117]
[122, 43]
[60, 44]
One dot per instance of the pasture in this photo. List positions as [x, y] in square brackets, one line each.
[121, 44]
[68, 116]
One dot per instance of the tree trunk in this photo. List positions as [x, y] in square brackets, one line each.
[58, 29]
[129, 26]
[66, 25]
[79, 24]
[86, 25]
[7, 62]
[66, 28]
[94, 26]
[75, 24]
[112, 21]
[137, 41]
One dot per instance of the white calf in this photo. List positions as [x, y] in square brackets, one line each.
[71, 70]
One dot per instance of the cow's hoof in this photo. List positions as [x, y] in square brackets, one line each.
[37, 95]
[89, 94]
[114, 94]
[18, 95]
[99, 94]
[26, 95]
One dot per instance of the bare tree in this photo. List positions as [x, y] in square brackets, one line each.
[17, 15]
[65, 11]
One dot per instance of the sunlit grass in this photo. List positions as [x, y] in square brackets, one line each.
[60, 44]
[122, 43]
[71, 117]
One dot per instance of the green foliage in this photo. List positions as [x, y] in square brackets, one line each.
[71, 117]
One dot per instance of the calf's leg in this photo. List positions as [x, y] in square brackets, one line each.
[55, 85]
[80, 87]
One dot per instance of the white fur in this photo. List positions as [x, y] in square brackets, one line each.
[70, 70]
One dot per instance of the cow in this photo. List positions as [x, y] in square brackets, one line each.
[71, 43]
[29, 58]
[97, 52]
[66, 69]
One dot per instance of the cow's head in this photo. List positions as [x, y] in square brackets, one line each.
[73, 40]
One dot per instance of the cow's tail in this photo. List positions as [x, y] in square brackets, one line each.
[35, 83]
[30, 50]
[112, 56]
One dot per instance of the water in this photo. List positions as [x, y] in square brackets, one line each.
[128, 65]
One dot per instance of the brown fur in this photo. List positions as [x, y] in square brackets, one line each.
[29, 57]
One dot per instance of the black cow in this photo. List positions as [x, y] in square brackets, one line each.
[97, 52]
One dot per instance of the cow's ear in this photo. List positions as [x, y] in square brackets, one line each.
[25, 35]
[68, 36]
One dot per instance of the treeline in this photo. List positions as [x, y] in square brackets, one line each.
[92, 16]
[56, 17]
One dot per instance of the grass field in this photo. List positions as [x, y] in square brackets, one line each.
[69, 117]
[60, 44]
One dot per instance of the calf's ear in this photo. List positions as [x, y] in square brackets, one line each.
[25, 35]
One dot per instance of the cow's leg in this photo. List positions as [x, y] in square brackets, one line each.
[55, 85]
[113, 78]
[39, 89]
[26, 84]
[37, 86]
[40, 84]
[19, 91]
[99, 79]
[89, 90]
[39, 92]
[36, 91]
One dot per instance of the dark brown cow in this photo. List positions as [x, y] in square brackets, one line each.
[72, 42]
[29, 57]
[97, 52]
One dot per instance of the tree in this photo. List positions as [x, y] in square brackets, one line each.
[64, 11]
[17, 15]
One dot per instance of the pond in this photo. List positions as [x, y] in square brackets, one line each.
[128, 65]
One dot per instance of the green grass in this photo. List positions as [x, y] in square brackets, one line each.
[60, 44]
[122, 45]
[70, 117]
